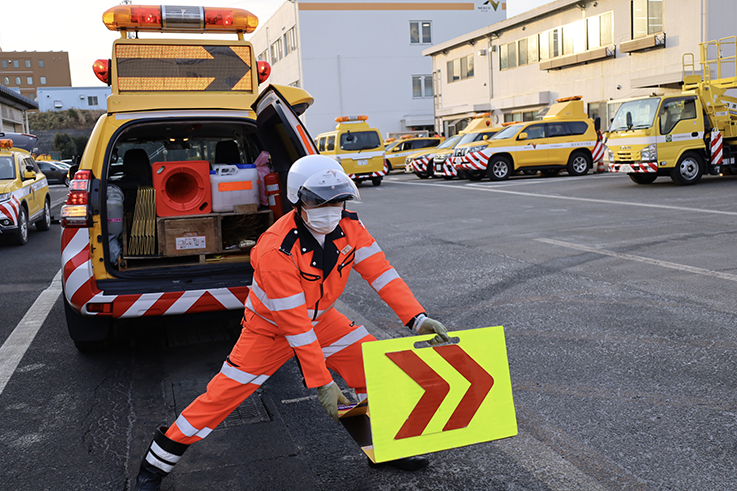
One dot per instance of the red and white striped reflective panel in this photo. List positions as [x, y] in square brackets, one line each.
[598, 153]
[643, 167]
[373, 174]
[10, 209]
[716, 147]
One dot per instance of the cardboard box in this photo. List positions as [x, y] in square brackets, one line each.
[187, 236]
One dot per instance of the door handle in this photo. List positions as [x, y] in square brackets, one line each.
[694, 134]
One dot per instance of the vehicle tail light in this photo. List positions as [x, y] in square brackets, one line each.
[102, 70]
[76, 211]
[264, 70]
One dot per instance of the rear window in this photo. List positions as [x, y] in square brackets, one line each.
[7, 169]
[578, 127]
[359, 140]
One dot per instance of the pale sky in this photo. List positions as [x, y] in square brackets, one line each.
[75, 26]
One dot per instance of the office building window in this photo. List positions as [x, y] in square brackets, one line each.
[264, 56]
[647, 17]
[276, 51]
[16, 64]
[290, 41]
[574, 37]
[29, 80]
[43, 80]
[40, 63]
[421, 86]
[17, 80]
[460, 69]
[532, 49]
[92, 100]
[5, 63]
[599, 31]
[420, 32]
[508, 56]
[6, 80]
[28, 63]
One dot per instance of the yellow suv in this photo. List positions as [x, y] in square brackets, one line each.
[564, 140]
[397, 151]
[140, 235]
[24, 190]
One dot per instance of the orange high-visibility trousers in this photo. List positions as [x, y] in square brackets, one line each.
[255, 357]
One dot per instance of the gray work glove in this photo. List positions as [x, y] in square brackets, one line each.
[329, 396]
[427, 325]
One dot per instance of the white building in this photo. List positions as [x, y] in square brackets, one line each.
[603, 50]
[63, 98]
[357, 57]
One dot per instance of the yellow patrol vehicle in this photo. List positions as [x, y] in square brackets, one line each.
[475, 139]
[422, 163]
[140, 234]
[478, 129]
[24, 190]
[396, 152]
[563, 140]
[355, 146]
[686, 135]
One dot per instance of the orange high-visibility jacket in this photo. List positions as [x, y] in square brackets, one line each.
[296, 281]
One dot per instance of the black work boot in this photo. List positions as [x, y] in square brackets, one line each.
[406, 464]
[160, 458]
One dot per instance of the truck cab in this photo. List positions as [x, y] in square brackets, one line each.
[140, 237]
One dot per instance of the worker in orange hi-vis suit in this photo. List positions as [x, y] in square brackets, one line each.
[301, 266]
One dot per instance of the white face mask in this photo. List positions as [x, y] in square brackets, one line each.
[323, 219]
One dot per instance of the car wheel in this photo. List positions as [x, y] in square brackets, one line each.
[579, 164]
[475, 175]
[550, 172]
[45, 223]
[376, 181]
[688, 170]
[21, 233]
[422, 175]
[647, 178]
[66, 181]
[499, 168]
[88, 333]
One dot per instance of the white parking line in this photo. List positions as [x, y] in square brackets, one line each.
[495, 189]
[12, 351]
[656, 262]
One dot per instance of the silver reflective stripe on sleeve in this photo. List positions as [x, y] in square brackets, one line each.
[384, 280]
[366, 252]
[311, 312]
[242, 377]
[189, 430]
[249, 306]
[297, 340]
[352, 337]
[275, 304]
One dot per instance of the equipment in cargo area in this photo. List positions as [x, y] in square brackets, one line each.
[183, 188]
[233, 184]
[143, 230]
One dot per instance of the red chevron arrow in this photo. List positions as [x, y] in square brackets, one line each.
[435, 391]
[481, 383]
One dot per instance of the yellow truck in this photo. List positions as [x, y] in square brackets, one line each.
[686, 135]
[357, 147]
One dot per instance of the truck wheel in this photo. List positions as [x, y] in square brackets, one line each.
[579, 164]
[647, 178]
[688, 170]
[499, 168]
[376, 181]
[88, 333]
[45, 223]
[21, 233]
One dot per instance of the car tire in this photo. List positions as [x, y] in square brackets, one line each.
[376, 181]
[499, 169]
[643, 178]
[89, 334]
[44, 224]
[421, 175]
[21, 234]
[550, 172]
[579, 163]
[475, 175]
[66, 181]
[688, 170]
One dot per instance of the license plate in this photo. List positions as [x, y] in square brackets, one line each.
[362, 162]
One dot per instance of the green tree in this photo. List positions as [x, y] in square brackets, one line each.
[80, 142]
[65, 144]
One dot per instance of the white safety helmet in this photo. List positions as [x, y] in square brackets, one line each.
[316, 180]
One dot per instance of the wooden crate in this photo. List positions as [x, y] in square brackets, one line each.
[188, 236]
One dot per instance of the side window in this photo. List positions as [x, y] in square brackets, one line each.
[535, 131]
[44, 166]
[553, 130]
[674, 111]
[578, 127]
[331, 143]
[321, 145]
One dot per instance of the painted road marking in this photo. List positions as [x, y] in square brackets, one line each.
[646, 260]
[495, 189]
[12, 351]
